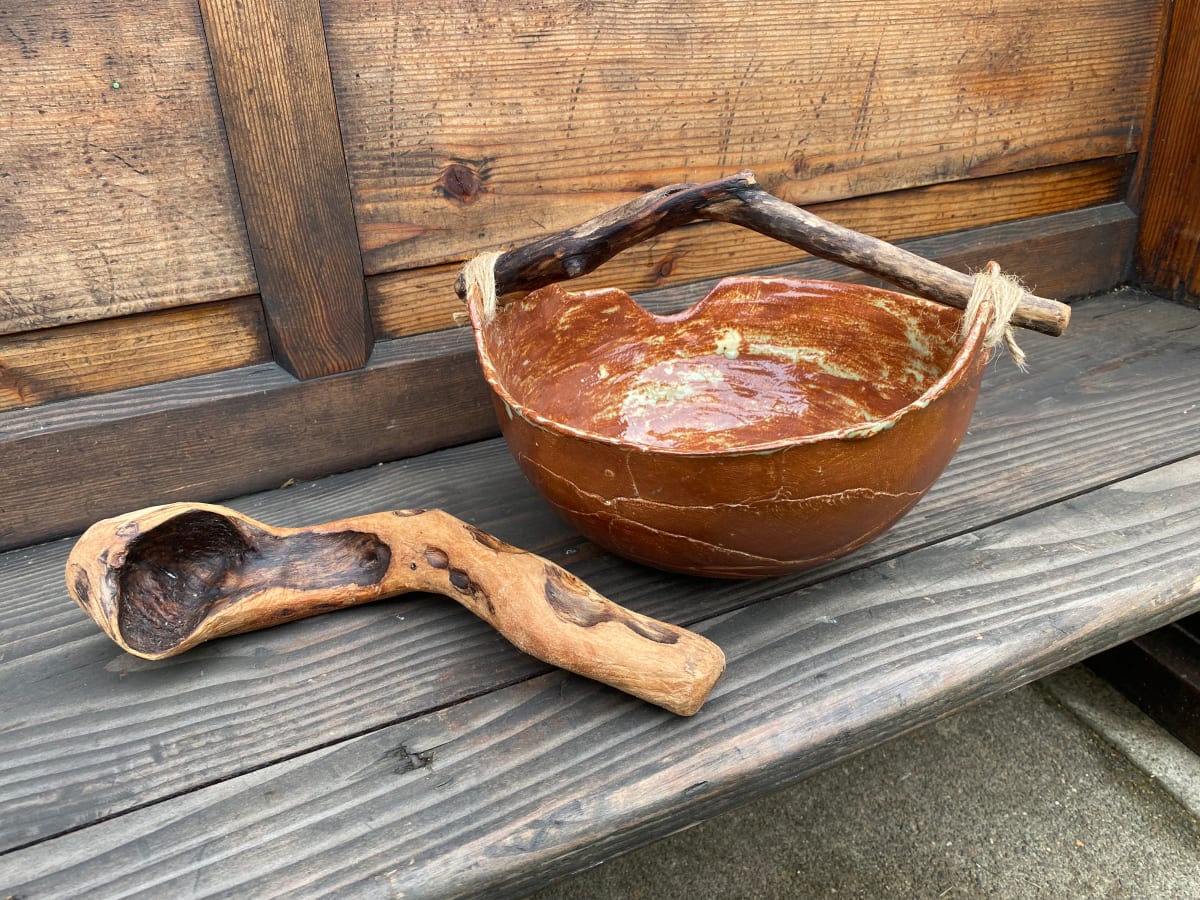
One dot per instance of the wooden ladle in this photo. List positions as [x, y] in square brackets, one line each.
[163, 579]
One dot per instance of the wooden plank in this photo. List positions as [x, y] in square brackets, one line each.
[481, 125]
[115, 354]
[1076, 254]
[272, 76]
[331, 425]
[1168, 253]
[247, 429]
[420, 300]
[116, 191]
[1106, 400]
[514, 788]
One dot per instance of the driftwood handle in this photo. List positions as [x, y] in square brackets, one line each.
[164, 579]
[739, 200]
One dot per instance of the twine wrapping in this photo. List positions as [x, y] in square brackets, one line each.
[1006, 294]
[479, 279]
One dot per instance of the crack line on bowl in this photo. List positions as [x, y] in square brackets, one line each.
[813, 500]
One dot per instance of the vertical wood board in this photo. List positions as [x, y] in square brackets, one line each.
[1169, 243]
[273, 79]
[116, 190]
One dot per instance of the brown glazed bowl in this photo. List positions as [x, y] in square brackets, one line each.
[775, 425]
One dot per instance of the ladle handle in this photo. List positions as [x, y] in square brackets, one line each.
[549, 613]
[739, 200]
[161, 580]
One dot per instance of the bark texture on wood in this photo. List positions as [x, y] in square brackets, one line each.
[739, 200]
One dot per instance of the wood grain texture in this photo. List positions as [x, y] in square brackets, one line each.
[247, 429]
[272, 76]
[508, 790]
[487, 124]
[1168, 254]
[114, 354]
[414, 301]
[116, 191]
[285, 431]
[739, 200]
[1073, 254]
[1110, 398]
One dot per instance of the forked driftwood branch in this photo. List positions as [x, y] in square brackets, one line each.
[740, 201]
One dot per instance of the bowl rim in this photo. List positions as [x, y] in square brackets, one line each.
[971, 346]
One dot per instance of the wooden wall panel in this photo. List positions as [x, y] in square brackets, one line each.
[113, 354]
[410, 302]
[1168, 254]
[116, 192]
[474, 125]
[228, 433]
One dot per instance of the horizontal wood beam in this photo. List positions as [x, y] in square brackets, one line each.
[414, 301]
[213, 436]
[90, 358]
[1104, 402]
[1072, 559]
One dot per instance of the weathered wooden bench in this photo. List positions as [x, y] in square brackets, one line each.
[403, 749]
[229, 235]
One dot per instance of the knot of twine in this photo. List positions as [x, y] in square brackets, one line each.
[1005, 293]
[479, 279]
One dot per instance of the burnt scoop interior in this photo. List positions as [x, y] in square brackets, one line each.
[180, 572]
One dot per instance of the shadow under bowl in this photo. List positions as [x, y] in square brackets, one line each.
[773, 426]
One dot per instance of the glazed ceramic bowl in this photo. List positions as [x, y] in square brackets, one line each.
[773, 426]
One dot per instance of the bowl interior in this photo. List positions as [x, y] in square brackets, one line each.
[757, 361]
